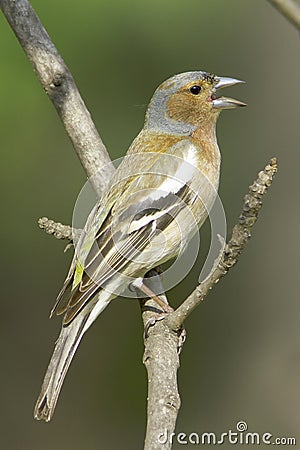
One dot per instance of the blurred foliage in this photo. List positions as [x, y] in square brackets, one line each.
[241, 360]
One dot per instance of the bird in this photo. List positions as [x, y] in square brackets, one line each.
[159, 196]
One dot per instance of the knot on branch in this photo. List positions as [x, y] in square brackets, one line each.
[172, 401]
[59, 86]
[58, 79]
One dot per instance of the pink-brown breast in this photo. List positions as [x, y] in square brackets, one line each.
[203, 138]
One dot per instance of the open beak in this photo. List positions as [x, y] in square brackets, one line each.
[225, 102]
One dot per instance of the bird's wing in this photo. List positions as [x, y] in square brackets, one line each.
[96, 226]
[137, 209]
[82, 248]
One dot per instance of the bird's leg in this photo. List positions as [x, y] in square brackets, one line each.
[139, 284]
[181, 333]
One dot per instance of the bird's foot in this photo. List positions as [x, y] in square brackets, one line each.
[163, 305]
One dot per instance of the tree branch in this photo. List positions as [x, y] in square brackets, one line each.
[161, 359]
[290, 9]
[241, 234]
[60, 86]
[166, 337]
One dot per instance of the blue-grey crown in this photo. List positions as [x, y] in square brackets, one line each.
[156, 117]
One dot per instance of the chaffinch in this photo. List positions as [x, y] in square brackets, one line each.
[160, 194]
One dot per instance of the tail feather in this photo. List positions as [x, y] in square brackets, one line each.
[64, 350]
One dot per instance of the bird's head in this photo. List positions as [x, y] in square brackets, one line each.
[189, 100]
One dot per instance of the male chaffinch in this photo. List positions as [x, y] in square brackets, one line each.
[159, 195]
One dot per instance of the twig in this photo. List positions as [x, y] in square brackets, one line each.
[60, 86]
[240, 236]
[166, 337]
[58, 230]
[290, 9]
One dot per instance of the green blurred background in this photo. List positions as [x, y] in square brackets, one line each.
[242, 357]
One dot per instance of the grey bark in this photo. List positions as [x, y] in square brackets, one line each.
[60, 86]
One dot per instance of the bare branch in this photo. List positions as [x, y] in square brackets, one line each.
[161, 359]
[290, 9]
[60, 86]
[240, 236]
[166, 337]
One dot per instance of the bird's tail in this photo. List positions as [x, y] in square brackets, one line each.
[64, 350]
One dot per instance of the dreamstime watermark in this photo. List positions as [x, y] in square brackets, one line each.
[239, 436]
[151, 225]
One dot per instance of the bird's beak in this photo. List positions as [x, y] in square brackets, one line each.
[225, 102]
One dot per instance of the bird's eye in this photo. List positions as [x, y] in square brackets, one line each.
[195, 90]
